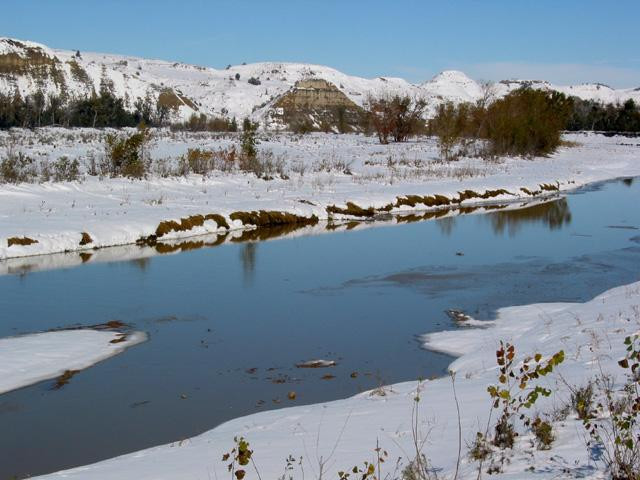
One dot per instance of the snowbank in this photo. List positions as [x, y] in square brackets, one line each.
[324, 170]
[343, 433]
[29, 359]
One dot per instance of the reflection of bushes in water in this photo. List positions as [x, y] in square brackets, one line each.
[627, 181]
[141, 263]
[446, 225]
[248, 257]
[187, 245]
[554, 214]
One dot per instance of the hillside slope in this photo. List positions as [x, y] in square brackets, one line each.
[27, 67]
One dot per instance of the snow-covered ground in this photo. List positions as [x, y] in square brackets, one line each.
[29, 359]
[344, 433]
[322, 170]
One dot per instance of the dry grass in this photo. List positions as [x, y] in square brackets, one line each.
[23, 241]
[86, 239]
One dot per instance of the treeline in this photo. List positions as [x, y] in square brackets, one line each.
[98, 110]
[525, 122]
[590, 115]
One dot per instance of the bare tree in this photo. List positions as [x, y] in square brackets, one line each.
[396, 118]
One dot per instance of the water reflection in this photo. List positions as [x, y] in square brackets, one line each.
[555, 215]
[248, 257]
[141, 263]
[446, 225]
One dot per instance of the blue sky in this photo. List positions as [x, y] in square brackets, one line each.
[561, 41]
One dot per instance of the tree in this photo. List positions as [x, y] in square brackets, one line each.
[452, 125]
[527, 122]
[54, 108]
[248, 139]
[397, 118]
[144, 110]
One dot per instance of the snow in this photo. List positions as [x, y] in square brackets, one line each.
[343, 433]
[453, 85]
[29, 359]
[120, 211]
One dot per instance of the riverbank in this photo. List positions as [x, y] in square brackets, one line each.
[324, 177]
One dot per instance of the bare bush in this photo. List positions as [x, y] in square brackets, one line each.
[66, 170]
[396, 118]
[613, 425]
[18, 168]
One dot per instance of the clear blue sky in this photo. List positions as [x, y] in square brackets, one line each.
[562, 41]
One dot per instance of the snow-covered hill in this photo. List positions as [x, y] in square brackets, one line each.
[28, 67]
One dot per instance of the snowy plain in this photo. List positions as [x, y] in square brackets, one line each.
[320, 169]
[29, 359]
[343, 433]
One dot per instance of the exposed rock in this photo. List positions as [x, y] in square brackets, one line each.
[317, 104]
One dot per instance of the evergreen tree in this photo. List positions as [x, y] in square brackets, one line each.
[248, 139]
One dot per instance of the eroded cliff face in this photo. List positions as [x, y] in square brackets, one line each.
[316, 104]
[21, 59]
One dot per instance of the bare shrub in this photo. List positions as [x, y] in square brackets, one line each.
[91, 165]
[265, 166]
[17, 168]
[614, 423]
[582, 401]
[162, 167]
[543, 431]
[66, 170]
[451, 125]
[395, 118]
[196, 161]
[299, 167]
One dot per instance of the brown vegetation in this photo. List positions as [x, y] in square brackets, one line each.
[264, 218]
[396, 118]
[86, 239]
[23, 241]
[63, 379]
[526, 122]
